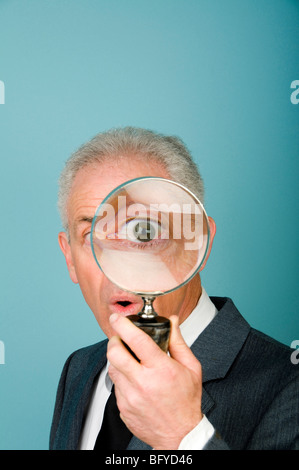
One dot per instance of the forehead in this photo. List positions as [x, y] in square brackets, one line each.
[94, 182]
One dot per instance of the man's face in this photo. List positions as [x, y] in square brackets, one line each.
[91, 185]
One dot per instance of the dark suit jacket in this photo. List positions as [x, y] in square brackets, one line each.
[250, 387]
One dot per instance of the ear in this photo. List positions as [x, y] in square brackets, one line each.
[212, 235]
[66, 250]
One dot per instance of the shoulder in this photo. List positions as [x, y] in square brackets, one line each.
[263, 367]
[85, 358]
[253, 353]
[270, 356]
[268, 343]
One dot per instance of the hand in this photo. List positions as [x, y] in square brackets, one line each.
[159, 398]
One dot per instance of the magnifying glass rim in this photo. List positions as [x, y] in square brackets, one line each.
[128, 183]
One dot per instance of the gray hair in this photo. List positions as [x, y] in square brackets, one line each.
[169, 151]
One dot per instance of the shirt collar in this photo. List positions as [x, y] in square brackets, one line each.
[198, 319]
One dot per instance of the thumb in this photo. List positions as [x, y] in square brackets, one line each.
[179, 350]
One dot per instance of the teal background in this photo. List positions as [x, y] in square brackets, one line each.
[215, 72]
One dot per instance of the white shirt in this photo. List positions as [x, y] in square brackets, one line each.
[196, 439]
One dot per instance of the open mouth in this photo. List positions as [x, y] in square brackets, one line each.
[124, 303]
[125, 307]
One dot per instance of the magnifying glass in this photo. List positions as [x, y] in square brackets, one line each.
[150, 236]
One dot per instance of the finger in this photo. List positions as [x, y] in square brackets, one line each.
[179, 350]
[120, 358]
[147, 351]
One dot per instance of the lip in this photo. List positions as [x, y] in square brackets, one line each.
[132, 308]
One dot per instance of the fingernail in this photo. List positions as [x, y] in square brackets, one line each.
[113, 317]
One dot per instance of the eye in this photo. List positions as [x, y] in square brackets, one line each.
[141, 230]
[87, 238]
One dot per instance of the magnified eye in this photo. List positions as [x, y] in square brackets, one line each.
[141, 230]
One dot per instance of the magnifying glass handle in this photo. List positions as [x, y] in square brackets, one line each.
[158, 328]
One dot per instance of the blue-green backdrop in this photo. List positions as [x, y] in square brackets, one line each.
[218, 73]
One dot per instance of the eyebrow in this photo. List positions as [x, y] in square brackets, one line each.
[82, 220]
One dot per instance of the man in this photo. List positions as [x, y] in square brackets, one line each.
[223, 385]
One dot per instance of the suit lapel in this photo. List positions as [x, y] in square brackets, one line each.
[207, 401]
[218, 345]
[77, 395]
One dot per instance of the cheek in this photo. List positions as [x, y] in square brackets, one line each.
[95, 288]
[89, 277]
